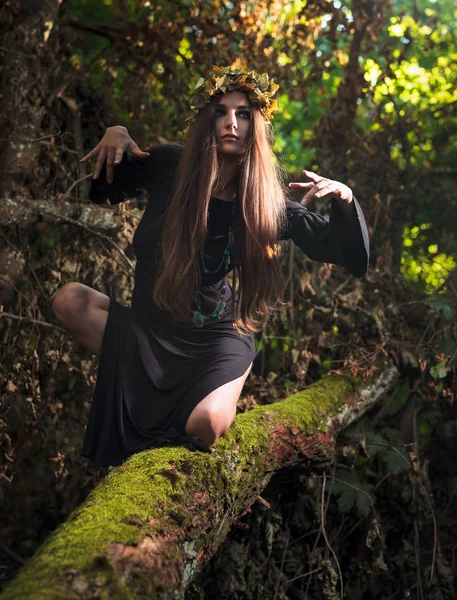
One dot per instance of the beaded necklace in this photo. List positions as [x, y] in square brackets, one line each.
[198, 316]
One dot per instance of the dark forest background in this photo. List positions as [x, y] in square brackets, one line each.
[368, 96]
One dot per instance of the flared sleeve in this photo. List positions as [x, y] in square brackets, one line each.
[133, 174]
[340, 240]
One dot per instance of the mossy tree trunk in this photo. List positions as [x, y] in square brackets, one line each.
[154, 522]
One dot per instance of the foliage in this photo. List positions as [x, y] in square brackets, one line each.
[222, 80]
[429, 268]
[371, 520]
[367, 96]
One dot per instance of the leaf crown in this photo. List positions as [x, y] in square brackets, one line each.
[220, 80]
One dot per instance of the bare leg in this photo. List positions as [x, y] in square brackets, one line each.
[215, 413]
[84, 312]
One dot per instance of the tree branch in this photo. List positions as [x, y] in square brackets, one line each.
[114, 34]
[22, 212]
[155, 521]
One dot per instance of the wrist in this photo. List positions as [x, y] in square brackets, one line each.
[344, 201]
[118, 128]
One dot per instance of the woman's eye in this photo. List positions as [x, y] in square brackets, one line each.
[245, 114]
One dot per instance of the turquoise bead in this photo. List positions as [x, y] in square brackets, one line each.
[199, 319]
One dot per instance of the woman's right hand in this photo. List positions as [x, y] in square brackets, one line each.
[111, 148]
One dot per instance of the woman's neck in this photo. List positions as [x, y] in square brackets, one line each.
[227, 184]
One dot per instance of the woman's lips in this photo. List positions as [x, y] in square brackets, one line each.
[230, 139]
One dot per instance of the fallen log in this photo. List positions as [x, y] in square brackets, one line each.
[153, 523]
[23, 212]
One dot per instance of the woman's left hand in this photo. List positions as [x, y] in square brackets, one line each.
[320, 187]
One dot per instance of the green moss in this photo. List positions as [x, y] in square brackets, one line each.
[313, 406]
[145, 488]
[118, 510]
[309, 410]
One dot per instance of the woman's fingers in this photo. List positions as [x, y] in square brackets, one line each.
[313, 176]
[119, 154]
[133, 149]
[99, 164]
[307, 197]
[304, 186]
[295, 185]
[111, 149]
[328, 189]
[137, 152]
[112, 153]
[319, 187]
[322, 186]
[336, 189]
[110, 164]
[92, 153]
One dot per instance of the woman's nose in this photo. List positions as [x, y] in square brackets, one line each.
[230, 121]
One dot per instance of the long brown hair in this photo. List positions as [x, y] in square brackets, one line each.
[258, 281]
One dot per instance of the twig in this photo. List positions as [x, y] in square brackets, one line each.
[354, 487]
[424, 491]
[321, 530]
[417, 555]
[301, 537]
[435, 533]
[286, 545]
[341, 286]
[16, 290]
[304, 575]
[73, 185]
[384, 445]
[56, 147]
[41, 139]
[96, 233]
[324, 533]
[32, 321]
[16, 557]
[29, 265]
[390, 306]
[53, 269]
[368, 357]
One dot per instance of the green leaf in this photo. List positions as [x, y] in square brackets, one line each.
[352, 494]
[439, 371]
[396, 459]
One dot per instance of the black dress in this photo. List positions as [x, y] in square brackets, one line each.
[153, 370]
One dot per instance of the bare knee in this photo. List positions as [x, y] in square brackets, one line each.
[208, 424]
[70, 300]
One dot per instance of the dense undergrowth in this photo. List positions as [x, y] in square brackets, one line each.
[376, 524]
[389, 499]
[367, 98]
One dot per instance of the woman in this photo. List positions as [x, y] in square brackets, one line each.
[173, 365]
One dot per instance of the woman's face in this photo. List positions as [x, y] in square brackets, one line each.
[233, 114]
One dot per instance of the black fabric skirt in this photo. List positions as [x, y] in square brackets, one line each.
[152, 373]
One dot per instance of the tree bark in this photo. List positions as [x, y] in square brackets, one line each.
[155, 521]
[23, 212]
[26, 85]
